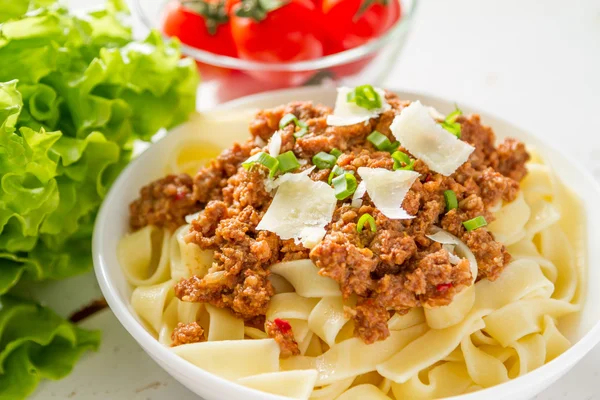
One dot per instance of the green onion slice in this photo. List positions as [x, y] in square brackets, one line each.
[451, 118]
[451, 202]
[287, 161]
[335, 171]
[401, 157]
[380, 141]
[365, 96]
[450, 123]
[344, 185]
[288, 118]
[393, 147]
[475, 223]
[402, 161]
[336, 153]
[264, 159]
[323, 160]
[366, 218]
[302, 131]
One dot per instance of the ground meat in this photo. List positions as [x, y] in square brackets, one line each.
[282, 332]
[164, 202]
[491, 256]
[481, 137]
[345, 262]
[209, 181]
[393, 269]
[266, 122]
[370, 320]
[204, 226]
[187, 333]
[290, 251]
[512, 156]
[392, 248]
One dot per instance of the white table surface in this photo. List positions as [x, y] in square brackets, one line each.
[536, 63]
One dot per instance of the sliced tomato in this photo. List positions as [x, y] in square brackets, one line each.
[351, 23]
[203, 24]
[285, 32]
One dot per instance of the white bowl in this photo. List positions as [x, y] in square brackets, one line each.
[112, 224]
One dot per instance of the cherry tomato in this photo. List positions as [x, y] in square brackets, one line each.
[203, 24]
[286, 32]
[351, 23]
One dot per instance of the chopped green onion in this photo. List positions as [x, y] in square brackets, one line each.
[475, 223]
[302, 131]
[408, 167]
[451, 202]
[379, 140]
[323, 160]
[336, 171]
[450, 123]
[402, 161]
[344, 186]
[363, 220]
[365, 96]
[288, 118]
[393, 147]
[264, 159]
[336, 153]
[401, 157]
[287, 161]
[454, 114]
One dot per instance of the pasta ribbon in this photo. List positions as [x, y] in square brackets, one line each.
[493, 331]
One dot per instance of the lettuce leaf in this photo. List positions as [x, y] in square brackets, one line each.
[75, 93]
[35, 344]
[70, 109]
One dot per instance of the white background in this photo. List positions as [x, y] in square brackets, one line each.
[535, 63]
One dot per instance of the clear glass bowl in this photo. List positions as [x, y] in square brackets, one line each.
[226, 78]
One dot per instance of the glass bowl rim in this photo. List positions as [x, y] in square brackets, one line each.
[400, 28]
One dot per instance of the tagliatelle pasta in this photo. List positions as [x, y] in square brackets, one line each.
[491, 332]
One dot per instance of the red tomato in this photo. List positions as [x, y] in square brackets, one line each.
[351, 23]
[203, 24]
[286, 33]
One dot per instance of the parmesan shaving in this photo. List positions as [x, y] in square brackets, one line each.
[443, 237]
[387, 189]
[300, 209]
[272, 184]
[346, 113]
[425, 139]
[435, 114]
[359, 193]
[260, 142]
[275, 144]
[454, 259]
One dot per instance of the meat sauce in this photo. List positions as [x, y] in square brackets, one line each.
[390, 270]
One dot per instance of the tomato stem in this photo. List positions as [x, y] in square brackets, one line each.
[258, 9]
[214, 13]
[364, 6]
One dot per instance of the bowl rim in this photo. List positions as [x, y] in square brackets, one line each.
[400, 28]
[554, 369]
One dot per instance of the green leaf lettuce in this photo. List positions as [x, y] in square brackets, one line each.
[75, 93]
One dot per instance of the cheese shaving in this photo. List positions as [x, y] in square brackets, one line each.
[275, 144]
[444, 237]
[359, 193]
[346, 113]
[427, 140]
[387, 189]
[300, 210]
